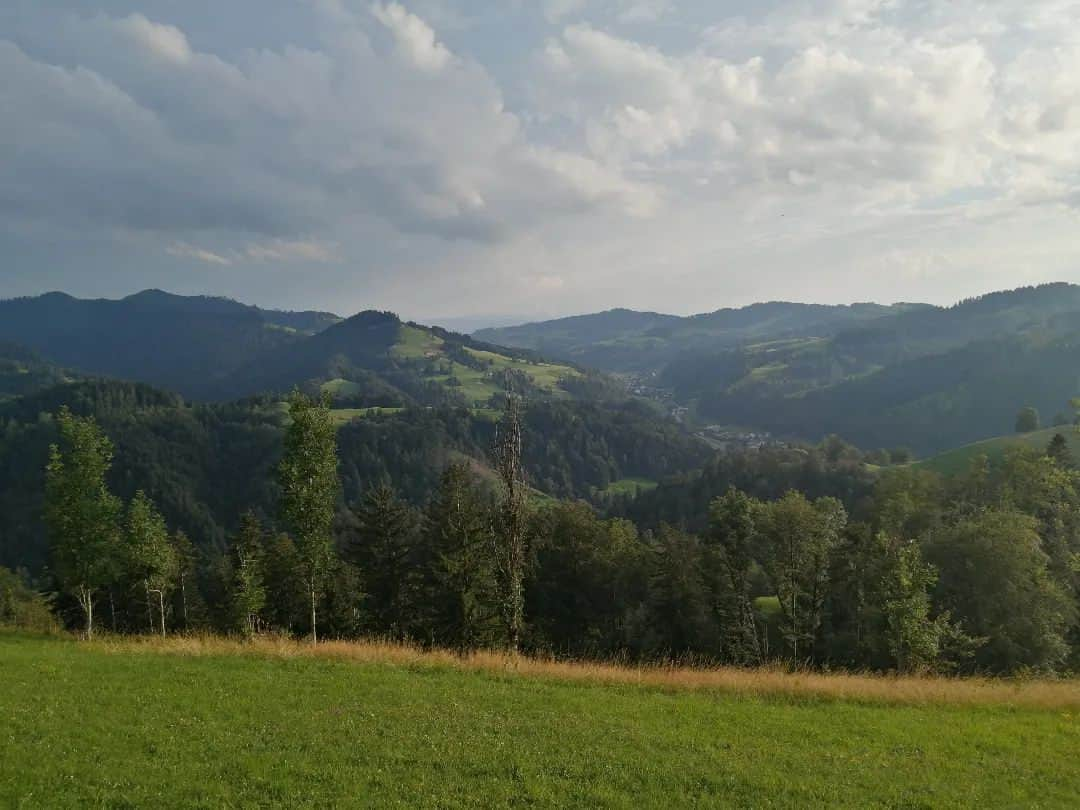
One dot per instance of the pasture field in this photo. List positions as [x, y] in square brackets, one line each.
[218, 723]
[958, 460]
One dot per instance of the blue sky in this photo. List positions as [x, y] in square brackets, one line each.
[458, 158]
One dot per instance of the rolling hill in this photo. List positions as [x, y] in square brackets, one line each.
[958, 460]
[186, 344]
[925, 377]
[644, 342]
[373, 359]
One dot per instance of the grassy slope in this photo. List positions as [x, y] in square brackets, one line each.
[86, 725]
[476, 385]
[958, 460]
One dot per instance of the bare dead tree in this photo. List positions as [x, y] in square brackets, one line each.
[509, 534]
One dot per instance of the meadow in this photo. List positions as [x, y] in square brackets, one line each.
[958, 460]
[205, 722]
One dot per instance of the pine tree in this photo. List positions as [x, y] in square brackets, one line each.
[81, 514]
[309, 489]
[1059, 451]
[382, 548]
[457, 563]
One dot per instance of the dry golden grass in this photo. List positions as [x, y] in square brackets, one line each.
[1051, 694]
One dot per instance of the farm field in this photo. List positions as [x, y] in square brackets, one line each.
[212, 723]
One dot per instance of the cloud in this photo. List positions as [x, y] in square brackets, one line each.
[186, 251]
[378, 119]
[309, 250]
[414, 37]
[440, 153]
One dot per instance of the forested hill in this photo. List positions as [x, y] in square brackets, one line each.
[205, 464]
[929, 378]
[177, 342]
[215, 349]
[628, 341]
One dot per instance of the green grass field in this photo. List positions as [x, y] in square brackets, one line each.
[117, 726]
[629, 486]
[958, 460]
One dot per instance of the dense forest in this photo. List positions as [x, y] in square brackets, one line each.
[205, 463]
[799, 555]
[477, 496]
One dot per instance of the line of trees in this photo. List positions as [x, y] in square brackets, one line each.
[977, 573]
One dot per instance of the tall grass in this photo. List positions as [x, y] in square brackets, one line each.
[1039, 693]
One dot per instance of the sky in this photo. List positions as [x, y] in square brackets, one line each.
[473, 161]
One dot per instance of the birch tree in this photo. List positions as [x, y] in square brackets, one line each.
[81, 514]
[152, 558]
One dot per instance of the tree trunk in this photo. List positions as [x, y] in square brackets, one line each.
[183, 599]
[161, 607]
[314, 635]
[149, 606]
[112, 608]
[86, 600]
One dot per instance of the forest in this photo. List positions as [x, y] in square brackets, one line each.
[796, 556]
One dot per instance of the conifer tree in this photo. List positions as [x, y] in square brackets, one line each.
[457, 562]
[383, 549]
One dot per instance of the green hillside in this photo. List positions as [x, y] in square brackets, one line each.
[644, 342]
[227, 730]
[958, 460]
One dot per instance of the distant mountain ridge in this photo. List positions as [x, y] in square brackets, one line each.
[183, 343]
[626, 340]
[217, 349]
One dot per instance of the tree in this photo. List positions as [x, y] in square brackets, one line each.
[81, 514]
[798, 537]
[382, 548]
[588, 587]
[457, 564]
[186, 561]
[1059, 451]
[151, 558]
[1027, 421]
[729, 560]
[309, 488]
[1012, 601]
[913, 637]
[248, 586]
[680, 620]
[509, 535]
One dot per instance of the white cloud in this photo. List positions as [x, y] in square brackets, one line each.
[186, 251]
[301, 250]
[415, 38]
[433, 153]
[163, 41]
